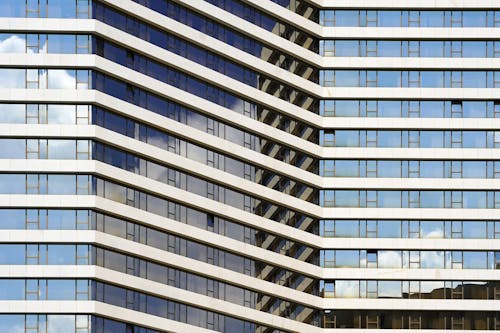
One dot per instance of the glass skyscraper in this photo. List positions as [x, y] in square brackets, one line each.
[253, 166]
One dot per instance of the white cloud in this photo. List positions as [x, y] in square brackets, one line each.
[60, 323]
[61, 79]
[389, 259]
[12, 78]
[346, 289]
[432, 259]
[61, 114]
[13, 44]
[435, 233]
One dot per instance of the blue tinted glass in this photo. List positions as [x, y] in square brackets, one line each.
[13, 148]
[432, 229]
[389, 289]
[12, 219]
[474, 229]
[389, 169]
[346, 78]
[346, 229]
[346, 48]
[389, 139]
[346, 138]
[12, 8]
[431, 49]
[61, 290]
[431, 79]
[431, 109]
[12, 184]
[61, 44]
[389, 199]
[389, 49]
[389, 109]
[61, 219]
[60, 323]
[11, 322]
[61, 254]
[432, 18]
[431, 169]
[388, 18]
[432, 199]
[346, 18]
[62, 8]
[326, 17]
[11, 290]
[62, 184]
[475, 260]
[474, 18]
[389, 229]
[12, 113]
[389, 79]
[346, 198]
[61, 149]
[346, 108]
[11, 254]
[346, 168]
[473, 199]
[473, 79]
[12, 78]
[473, 169]
[346, 258]
[431, 139]
[474, 49]
[473, 139]
[472, 109]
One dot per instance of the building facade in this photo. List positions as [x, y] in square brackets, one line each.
[255, 166]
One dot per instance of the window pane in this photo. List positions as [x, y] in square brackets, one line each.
[432, 259]
[389, 229]
[61, 254]
[346, 258]
[389, 259]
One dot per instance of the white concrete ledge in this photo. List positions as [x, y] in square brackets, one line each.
[411, 153]
[410, 33]
[101, 309]
[407, 4]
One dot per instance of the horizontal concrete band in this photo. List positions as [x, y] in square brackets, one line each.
[161, 256]
[178, 129]
[235, 150]
[404, 33]
[177, 261]
[153, 287]
[191, 199]
[182, 163]
[315, 29]
[106, 310]
[296, 112]
[235, 246]
[160, 54]
[184, 131]
[404, 4]
[256, 94]
[410, 64]
[267, 37]
[142, 319]
[161, 290]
